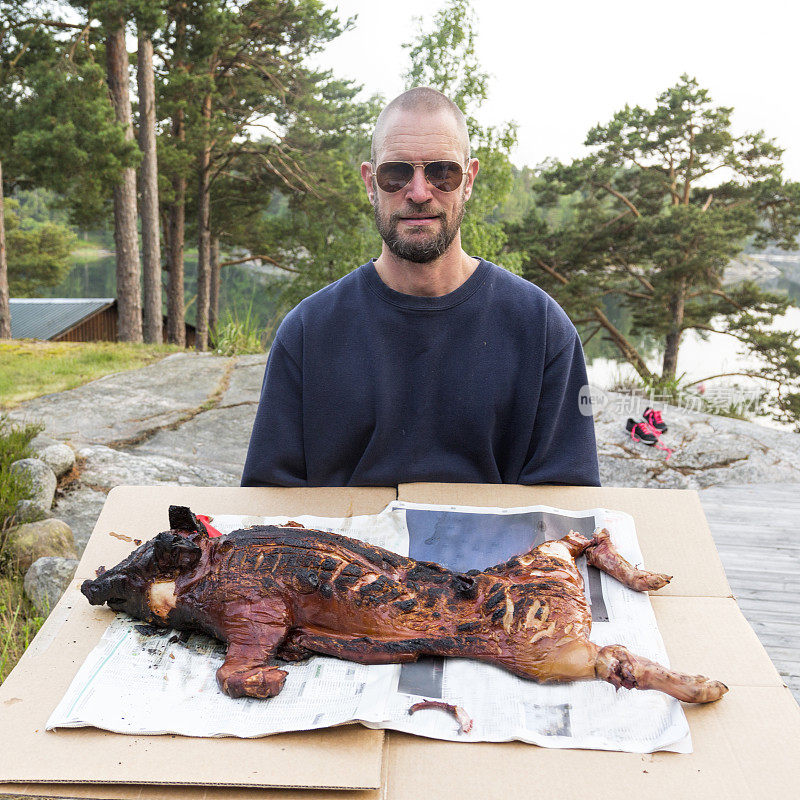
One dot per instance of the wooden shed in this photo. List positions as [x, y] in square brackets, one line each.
[68, 319]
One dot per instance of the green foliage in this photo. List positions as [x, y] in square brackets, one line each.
[640, 221]
[237, 336]
[446, 59]
[59, 126]
[38, 253]
[14, 440]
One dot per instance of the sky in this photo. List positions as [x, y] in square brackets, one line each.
[559, 68]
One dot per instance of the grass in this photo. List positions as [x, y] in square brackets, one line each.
[19, 621]
[30, 368]
[235, 336]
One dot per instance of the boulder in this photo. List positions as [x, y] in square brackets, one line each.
[43, 487]
[47, 579]
[33, 540]
[79, 508]
[40, 442]
[59, 457]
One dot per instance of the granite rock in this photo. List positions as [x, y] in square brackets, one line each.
[47, 579]
[42, 481]
[707, 450]
[59, 457]
[33, 540]
[79, 508]
[105, 467]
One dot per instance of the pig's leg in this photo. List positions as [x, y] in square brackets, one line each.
[620, 667]
[601, 553]
[579, 659]
[254, 633]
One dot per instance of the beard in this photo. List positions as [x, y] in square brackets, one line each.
[418, 247]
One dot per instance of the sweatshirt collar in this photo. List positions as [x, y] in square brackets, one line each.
[417, 303]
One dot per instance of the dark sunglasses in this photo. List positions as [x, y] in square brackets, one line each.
[446, 176]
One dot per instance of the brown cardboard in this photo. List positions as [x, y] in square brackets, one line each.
[745, 745]
[122, 791]
[672, 529]
[344, 757]
[710, 636]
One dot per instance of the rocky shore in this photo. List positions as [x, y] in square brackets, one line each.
[186, 421]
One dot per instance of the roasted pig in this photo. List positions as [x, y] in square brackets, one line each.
[288, 592]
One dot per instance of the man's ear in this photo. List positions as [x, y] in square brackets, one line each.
[472, 171]
[366, 176]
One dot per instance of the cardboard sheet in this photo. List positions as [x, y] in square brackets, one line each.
[345, 757]
[745, 746]
[672, 529]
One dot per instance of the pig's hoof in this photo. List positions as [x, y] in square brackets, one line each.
[259, 682]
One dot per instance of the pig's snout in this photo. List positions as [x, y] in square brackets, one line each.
[95, 591]
[105, 589]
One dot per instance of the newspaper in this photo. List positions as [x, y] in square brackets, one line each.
[146, 681]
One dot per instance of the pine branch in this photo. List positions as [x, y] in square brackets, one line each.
[258, 258]
[619, 196]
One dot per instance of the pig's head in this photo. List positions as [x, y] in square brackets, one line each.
[143, 585]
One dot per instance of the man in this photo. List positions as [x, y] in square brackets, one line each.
[425, 364]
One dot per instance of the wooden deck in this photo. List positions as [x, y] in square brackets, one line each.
[756, 530]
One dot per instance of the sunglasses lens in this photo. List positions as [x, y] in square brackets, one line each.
[444, 175]
[392, 176]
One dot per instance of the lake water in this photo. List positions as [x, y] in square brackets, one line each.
[699, 358]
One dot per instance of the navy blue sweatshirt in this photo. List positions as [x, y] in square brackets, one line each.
[366, 386]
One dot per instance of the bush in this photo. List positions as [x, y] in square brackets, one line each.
[19, 621]
[14, 441]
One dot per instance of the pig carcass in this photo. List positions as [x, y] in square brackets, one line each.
[288, 592]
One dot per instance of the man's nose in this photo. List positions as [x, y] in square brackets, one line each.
[419, 190]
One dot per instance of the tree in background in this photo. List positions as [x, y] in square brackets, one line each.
[446, 59]
[668, 197]
[126, 236]
[321, 225]
[58, 127]
[148, 18]
[38, 253]
[291, 196]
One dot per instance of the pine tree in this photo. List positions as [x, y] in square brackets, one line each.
[642, 221]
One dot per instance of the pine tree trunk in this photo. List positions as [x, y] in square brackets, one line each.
[126, 239]
[176, 311]
[673, 341]
[213, 301]
[148, 172]
[5, 310]
[204, 234]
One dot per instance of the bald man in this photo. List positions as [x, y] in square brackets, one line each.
[424, 364]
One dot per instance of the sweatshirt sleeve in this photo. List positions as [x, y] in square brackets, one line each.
[563, 448]
[276, 456]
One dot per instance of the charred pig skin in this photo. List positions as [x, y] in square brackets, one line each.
[288, 592]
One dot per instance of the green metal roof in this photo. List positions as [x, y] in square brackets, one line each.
[47, 317]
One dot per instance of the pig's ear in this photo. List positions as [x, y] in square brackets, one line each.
[173, 551]
[182, 519]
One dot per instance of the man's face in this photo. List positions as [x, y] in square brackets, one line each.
[418, 223]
